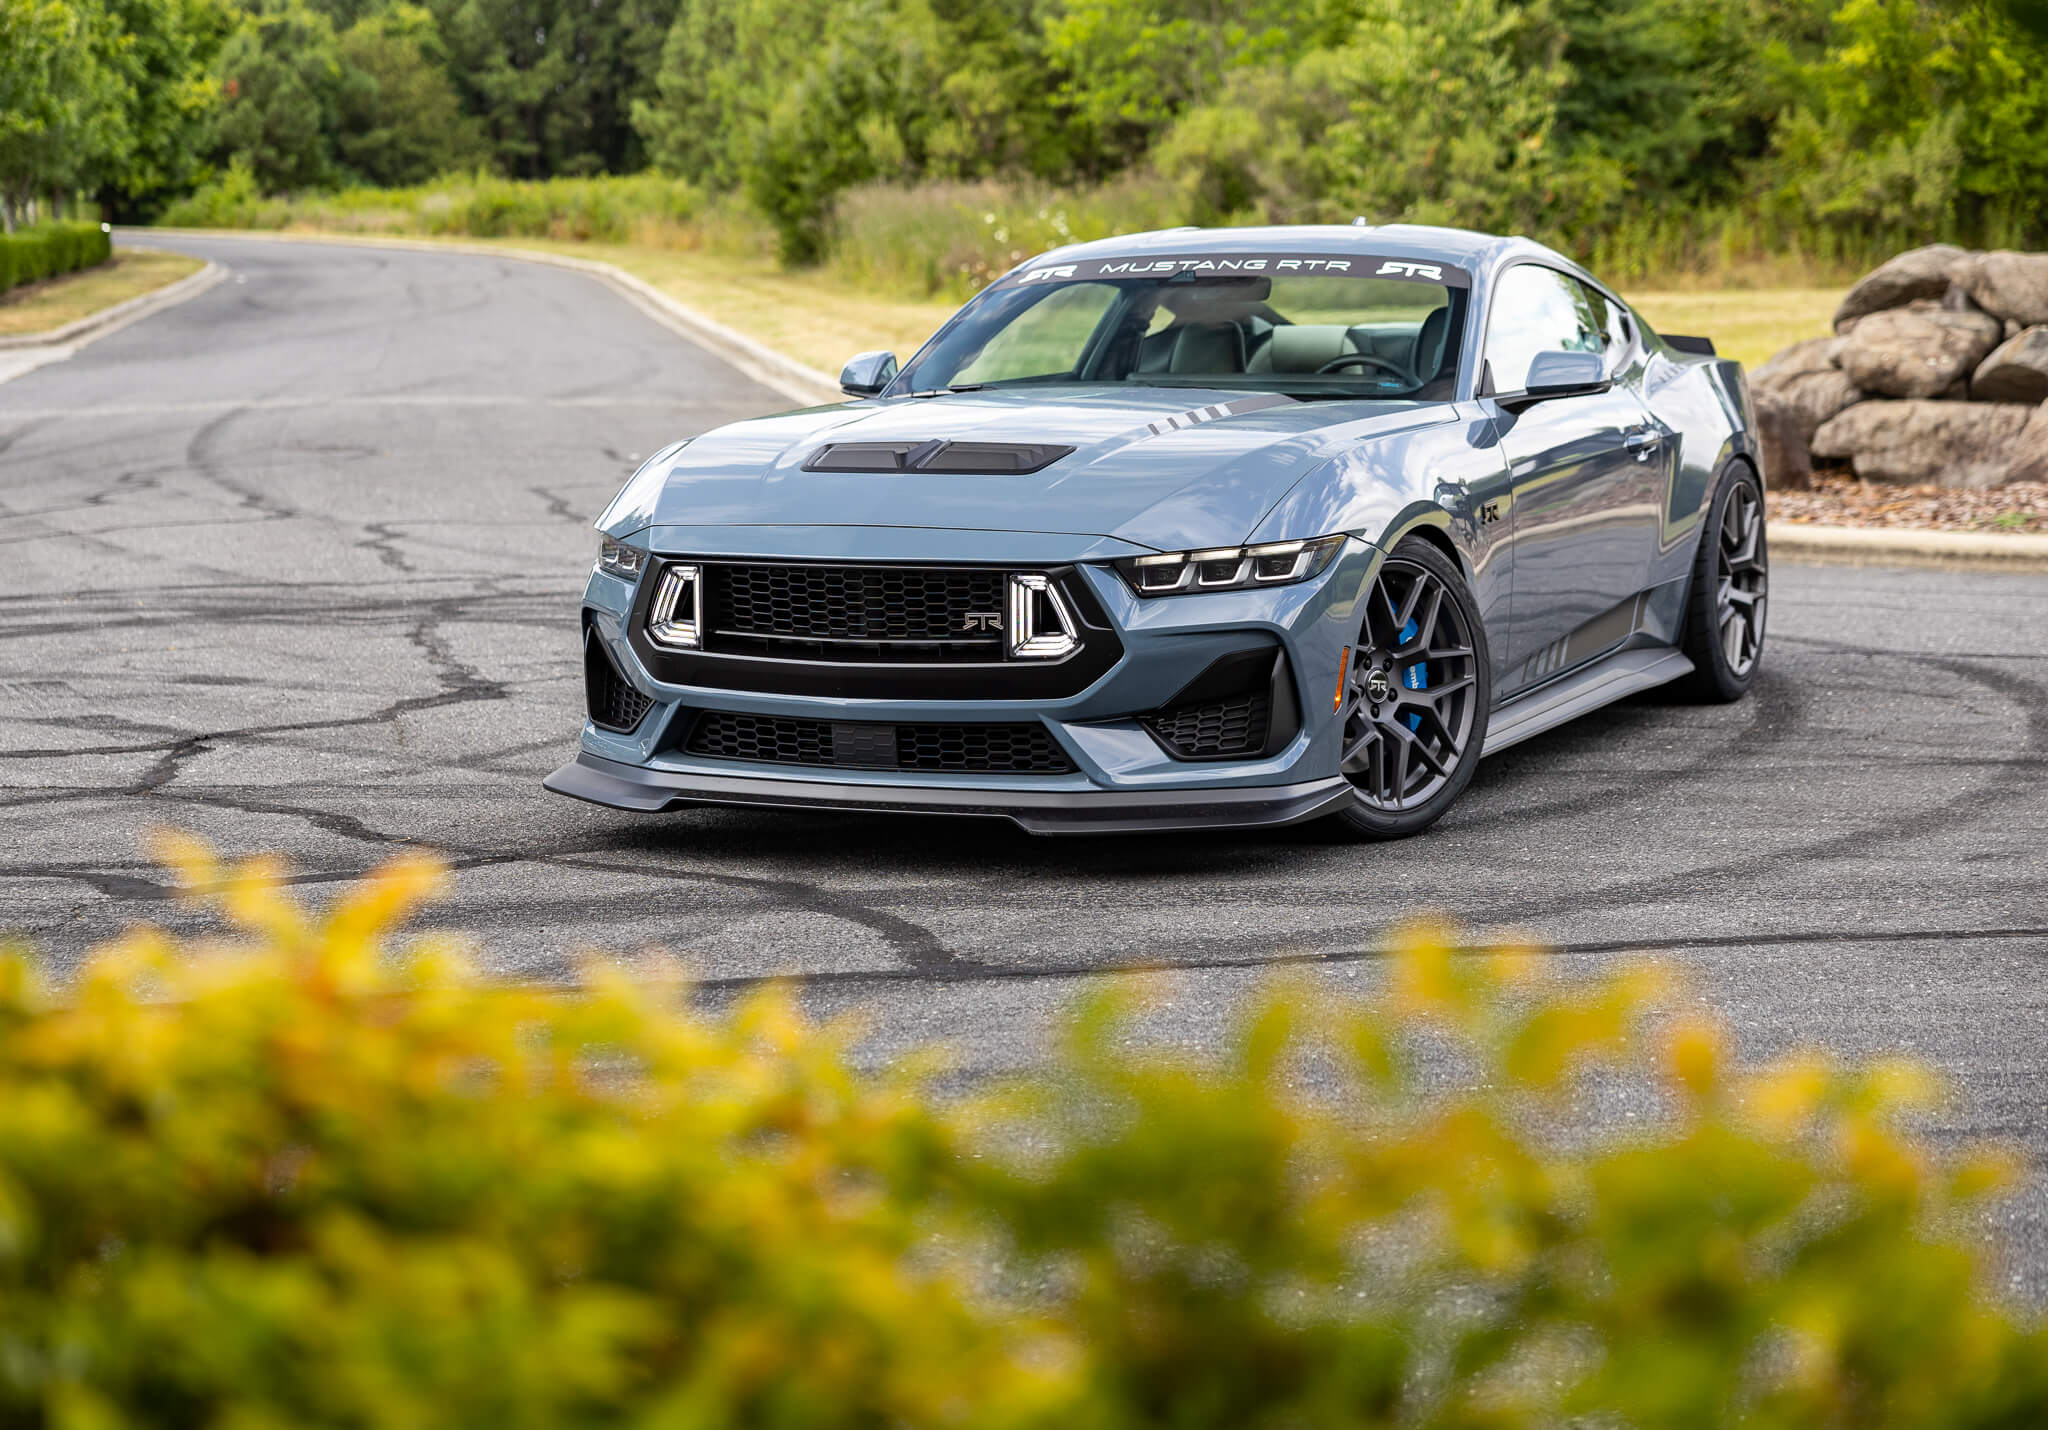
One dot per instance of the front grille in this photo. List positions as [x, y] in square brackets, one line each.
[612, 703]
[998, 749]
[772, 739]
[862, 613]
[966, 749]
[1234, 725]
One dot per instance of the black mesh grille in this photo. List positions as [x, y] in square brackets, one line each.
[775, 739]
[856, 612]
[968, 749]
[612, 703]
[1235, 725]
[996, 749]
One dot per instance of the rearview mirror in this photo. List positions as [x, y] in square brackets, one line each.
[867, 374]
[1562, 374]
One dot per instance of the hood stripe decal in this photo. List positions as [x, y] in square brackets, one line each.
[1197, 416]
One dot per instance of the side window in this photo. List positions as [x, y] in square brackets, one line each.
[1613, 322]
[1539, 310]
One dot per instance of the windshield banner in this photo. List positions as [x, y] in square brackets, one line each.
[1247, 265]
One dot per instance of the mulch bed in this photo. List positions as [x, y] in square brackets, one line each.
[1844, 501]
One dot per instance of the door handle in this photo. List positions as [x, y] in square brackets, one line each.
[1642, 441]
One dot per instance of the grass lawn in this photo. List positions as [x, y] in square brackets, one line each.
[1746, 324]
[39, 307]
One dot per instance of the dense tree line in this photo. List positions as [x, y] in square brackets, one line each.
[1867, 117]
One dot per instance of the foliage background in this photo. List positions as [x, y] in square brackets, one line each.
[308, 1178]
[1649, 136]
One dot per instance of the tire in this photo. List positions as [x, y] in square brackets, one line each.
[1410, 749]
[1727, 607]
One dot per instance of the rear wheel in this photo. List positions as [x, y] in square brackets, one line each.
[1731, 582]
[1416, 695]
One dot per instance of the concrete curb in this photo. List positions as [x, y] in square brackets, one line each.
[797, 381]
[130, 310]
[1878, 544]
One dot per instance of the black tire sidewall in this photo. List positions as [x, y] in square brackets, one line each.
[1362, 821]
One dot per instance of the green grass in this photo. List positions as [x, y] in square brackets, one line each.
[46, 306]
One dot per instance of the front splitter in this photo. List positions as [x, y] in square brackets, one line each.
[634, 787]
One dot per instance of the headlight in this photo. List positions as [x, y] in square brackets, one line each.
[615, 558]
[1230, 568]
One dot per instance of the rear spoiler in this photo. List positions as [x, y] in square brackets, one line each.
[1700, 347]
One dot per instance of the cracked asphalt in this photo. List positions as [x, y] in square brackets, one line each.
[295, 566]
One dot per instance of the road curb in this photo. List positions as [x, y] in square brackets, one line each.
[1868, 544]
[107, 320]
[797, 381]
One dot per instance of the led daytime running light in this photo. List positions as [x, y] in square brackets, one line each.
[1230, 568]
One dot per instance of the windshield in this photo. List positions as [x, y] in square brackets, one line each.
[1303, 324]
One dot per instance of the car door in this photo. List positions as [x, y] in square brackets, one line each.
[1584, 478]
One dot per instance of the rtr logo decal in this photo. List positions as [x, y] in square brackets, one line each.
[1040, 275]
[983, 620]
[1411, 270]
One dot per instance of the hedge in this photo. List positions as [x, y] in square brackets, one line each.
[302, 1178]
[51, 249]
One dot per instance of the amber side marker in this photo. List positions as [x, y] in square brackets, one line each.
[1343, 671]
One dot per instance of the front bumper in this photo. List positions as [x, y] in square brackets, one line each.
[1116, 775]
[1041, 811]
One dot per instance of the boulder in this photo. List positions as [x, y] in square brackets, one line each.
[1916, 273]
[2016, 371]
[2007, 284]
[1813, 355]
[1949, 444]
[1783, 443]
[2029, 456]
[1792, 394]
[1920, 351]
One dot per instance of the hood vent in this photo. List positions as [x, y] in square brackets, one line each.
[1013, 459]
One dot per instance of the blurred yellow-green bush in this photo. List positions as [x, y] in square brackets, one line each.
[307, 1179]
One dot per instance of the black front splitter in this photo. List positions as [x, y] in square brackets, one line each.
[622, 786]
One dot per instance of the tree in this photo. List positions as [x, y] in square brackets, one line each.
[166, 55]
[62, 106]
[398, 116]
[281, 82]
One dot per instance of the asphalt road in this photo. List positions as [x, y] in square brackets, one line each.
[295, 566]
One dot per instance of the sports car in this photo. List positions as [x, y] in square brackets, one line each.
[1186, 529]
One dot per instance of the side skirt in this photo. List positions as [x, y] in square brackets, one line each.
[1623, 673]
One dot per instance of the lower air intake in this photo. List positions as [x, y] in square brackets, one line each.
[965, 749]
[1234, 725]
[612, 703]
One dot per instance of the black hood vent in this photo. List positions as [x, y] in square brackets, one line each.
[1014, 459]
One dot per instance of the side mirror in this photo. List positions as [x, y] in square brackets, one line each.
[867, 374]
[1562, 374]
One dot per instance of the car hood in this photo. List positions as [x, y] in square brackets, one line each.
[1166, 468]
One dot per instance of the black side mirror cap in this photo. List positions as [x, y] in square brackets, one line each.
[866, 374]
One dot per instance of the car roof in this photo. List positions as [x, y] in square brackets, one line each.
[1459, 247]
[1463, 248]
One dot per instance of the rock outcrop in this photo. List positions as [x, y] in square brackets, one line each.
[1937, 373]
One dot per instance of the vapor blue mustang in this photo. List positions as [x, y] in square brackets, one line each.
[1193, 528]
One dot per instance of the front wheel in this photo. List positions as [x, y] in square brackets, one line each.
[1416, 696]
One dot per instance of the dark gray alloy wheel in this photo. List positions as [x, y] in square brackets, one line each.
[1731, 583]
[1416, 697]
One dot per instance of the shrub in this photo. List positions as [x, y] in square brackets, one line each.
[307, 1181]
[50, 250]
[643, 209]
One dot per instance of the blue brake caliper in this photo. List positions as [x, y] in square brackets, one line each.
[1415, 677]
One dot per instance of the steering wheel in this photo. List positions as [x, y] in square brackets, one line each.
[1343, 360]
